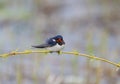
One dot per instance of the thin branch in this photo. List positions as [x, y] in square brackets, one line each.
[13, 53]
[93, 57]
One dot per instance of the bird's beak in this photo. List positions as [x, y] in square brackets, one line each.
[63, 42]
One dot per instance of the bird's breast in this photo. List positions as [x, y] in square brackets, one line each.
[56, 47]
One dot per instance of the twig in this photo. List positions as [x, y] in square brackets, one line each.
[75, 53]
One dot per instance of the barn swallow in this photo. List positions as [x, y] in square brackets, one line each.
[54, 44]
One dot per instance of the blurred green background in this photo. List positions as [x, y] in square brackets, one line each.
[88, 26]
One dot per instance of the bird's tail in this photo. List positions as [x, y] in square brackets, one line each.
[41, 46]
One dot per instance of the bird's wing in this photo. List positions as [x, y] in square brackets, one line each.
[51, 42]
[41, 46]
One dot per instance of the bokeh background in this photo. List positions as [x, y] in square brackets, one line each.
[88, 26]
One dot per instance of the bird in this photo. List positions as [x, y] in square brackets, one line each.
[53, 44]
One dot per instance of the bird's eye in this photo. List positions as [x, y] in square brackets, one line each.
[54, 40]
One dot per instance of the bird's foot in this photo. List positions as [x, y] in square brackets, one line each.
[59, 52]
[51, 51]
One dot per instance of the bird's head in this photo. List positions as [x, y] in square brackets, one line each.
[59, 39]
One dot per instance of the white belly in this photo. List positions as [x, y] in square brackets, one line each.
[56, 48]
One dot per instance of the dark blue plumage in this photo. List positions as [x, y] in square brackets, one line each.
[56, 43]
